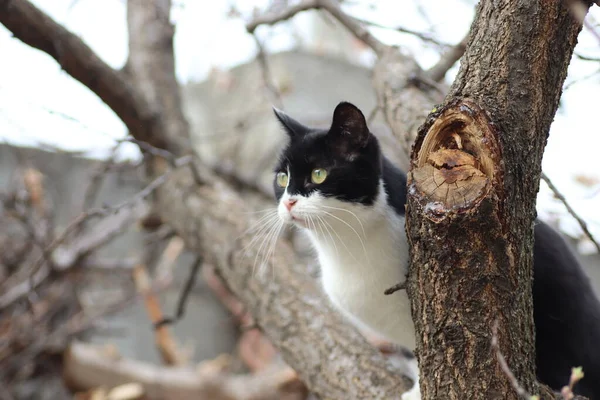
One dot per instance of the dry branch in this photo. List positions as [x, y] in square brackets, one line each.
[396, 77]
[165, 342]
[447, 61]
[34, 27]
[64, 256]
[88, 367]
[333, 358]
[580, 221]
[285, 303]
[333, 8]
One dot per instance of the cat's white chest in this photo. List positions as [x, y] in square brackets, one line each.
[359, 261]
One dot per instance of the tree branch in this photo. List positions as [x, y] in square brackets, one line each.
[284, 302]
[331, 357]
[35, 28]
[447, 61]
[570, 210]
[333, 8]
[501, 106]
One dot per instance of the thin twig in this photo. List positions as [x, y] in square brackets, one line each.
[184, 295]
[423, 36]
[333, 8]
[97, 178]
[373, 114]
[42, 270]
[447, 61]
[562, 198]
[505, 368]
[166, 343]
[395, 288]
[274, 18]
[147, 147]
[587, 58]
[268, 81]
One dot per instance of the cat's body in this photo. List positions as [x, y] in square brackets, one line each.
[378, 242]
[337, 186]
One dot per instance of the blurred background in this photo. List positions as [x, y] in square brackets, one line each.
[65, 152]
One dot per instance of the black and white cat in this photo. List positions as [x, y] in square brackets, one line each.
[337, 186]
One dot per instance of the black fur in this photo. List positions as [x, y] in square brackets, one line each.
[348, 152]
[566, 313]
[566, 310]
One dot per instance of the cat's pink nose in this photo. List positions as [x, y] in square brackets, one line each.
[289, 204]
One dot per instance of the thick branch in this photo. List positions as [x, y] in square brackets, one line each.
[89, 367]
[331, 357]
[471, 235]
[151, 67]
[447, 61]
[35, 28]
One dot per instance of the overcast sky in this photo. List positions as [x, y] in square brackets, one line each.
[40, 104]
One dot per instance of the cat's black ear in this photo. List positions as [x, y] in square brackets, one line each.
[349, 126]
[292, 127]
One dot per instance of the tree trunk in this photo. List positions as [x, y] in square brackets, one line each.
[475, 171]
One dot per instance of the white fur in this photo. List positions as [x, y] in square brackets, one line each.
[362, 251]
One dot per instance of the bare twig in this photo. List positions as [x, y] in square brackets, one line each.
[395, 288]
[63, 258]
[97, 178]
[447, 61]
[147, 147]
[373, 114]
[166, 263]
[67, 256]
[274, 18]
[267, 77]
[333, 8]
[167, 346]
[423, 36]
[506, 369]
[587, 58]
[152, 186]
[184, 295]
[579, 220]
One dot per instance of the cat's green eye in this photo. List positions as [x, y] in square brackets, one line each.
[282, 179]
[318, 175]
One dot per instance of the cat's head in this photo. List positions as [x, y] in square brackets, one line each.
[324, 170]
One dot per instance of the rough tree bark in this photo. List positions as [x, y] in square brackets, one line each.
[475, 171]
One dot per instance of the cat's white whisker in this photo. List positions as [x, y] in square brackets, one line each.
[265, 225]
[264, 210]
[262, 236]
[341, 240]
[353, 230]
[272, 242]
[325, 225]
[351, 213]
[260, 248]
[259, 224]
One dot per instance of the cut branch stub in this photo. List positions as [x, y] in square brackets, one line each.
[453, 160]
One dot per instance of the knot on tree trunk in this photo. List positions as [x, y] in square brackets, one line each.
[454, 160]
